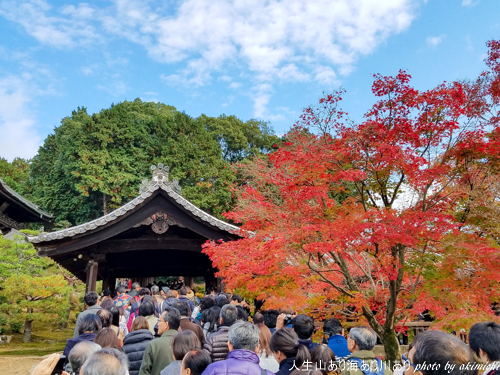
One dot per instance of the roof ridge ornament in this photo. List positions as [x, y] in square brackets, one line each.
[160, 176]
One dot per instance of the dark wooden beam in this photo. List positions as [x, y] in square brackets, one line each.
[160, 243]
[90, 283]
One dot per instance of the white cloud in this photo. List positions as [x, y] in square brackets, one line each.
[69, 28]
[434, 41]
[468, 3]
[116, 88]
[266, 40]
[326, 76]
[17, 122]
[235, 85]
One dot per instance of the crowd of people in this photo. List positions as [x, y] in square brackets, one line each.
[160, 331]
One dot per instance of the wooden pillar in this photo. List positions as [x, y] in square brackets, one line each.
[189, 281]
[90, 283]
[220, 285]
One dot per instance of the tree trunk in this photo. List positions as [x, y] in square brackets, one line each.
[391, 347]
[27, 331]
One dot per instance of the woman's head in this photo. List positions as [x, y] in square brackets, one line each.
[139, 322]
[264, 338]
[323, 357]
[105, 317]
[195, 362]
[183, 342]
[115, 315]
[90, 323]
[107, 338]
[284, 343]
[107, 303]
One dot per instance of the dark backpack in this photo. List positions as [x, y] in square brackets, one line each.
[366, 368]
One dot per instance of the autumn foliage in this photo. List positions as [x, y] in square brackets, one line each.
[382, 220]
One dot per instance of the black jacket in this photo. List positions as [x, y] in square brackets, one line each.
[134, 345]
[216, 344]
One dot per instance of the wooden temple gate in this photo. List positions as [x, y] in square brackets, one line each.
[158, 233]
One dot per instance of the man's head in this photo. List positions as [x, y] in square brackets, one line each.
[121, 289]
[228, 314]
[270, 318]
[90, 298]
[143, 292]
[135, 286]
[146, 309]
[332, 327]
[445, 352]
[236, 300]
[484, 339]
[106, 361]
[183, 308]
[80, 353]
[303, 325]
[90, 323]
[155, 290]
[170, 319]
[244, 335]
[361, 338]
[258, 318]
[183, 291]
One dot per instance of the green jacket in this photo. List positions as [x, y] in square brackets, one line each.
[367, 357]
[158, 354]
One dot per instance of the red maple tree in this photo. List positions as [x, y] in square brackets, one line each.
[378, 221]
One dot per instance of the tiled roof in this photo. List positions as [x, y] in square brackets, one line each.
[147, 189]
[24, 201]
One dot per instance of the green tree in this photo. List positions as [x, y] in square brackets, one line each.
[15, 174]
[31, 287]
[19, 257]
[41, 298]
[95, 163]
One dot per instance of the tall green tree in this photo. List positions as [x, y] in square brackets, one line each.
[92, 164]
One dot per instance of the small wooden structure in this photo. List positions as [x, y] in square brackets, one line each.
[16, 211]
[159, 233]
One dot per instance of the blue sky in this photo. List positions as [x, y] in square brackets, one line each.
[249, 58]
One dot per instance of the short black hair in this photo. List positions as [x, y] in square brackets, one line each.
[440, 348]
[90, 298]
[183, 308]
[146, 309]
[242, 314]
[144, 292]
[183, 291]
[332, 327]
[270, 318]
[486, 336]
[121, 289]
[197, 361]
[206, 303]
[173, 317]
[90, 323]
[303, 325]
[237, 298]
[221, 301]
